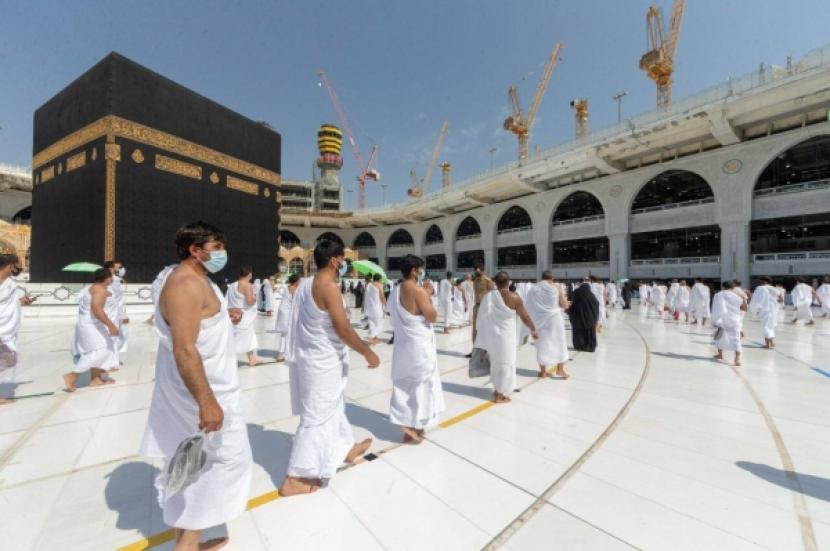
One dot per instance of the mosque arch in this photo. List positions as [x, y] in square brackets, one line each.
[364, 240]
[296, 266]
[400, 237]
[329, 236]
[289, 239]
[468, 228]
[434, 235]
[579, 206]
[23, 216]
[805, 164]
[514, 218]
[672, 187]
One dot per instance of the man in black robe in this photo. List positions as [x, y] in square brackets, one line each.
[584, 315]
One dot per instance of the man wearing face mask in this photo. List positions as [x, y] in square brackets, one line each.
[316, 351]
[241, 296]
[10, 318]
[197, 388]
[116, 307]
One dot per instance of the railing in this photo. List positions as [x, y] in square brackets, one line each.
[514, 230]
[428, 243]
[578, 220]
[793, 188]
[401, 246]
[806, 255]
[668, 206]
[678, 260]
[471, 236]
[595, 263]
[516, 266]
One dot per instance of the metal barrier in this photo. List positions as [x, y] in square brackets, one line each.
[798, 255]
[514, 230]
[677, 260]
[669, 206]
[578, 220]
[793, 188]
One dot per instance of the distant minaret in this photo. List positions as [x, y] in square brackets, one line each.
[445, 174]
[329, 143]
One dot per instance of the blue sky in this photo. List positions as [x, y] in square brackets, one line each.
[399, 67]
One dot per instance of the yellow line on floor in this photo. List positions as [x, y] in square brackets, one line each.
[253, 503]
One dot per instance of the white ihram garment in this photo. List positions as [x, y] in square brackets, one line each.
[373, 308]
[92, 343]
[470, 295]
[598, 289]
[543, 307]
[658, 298]
[417, 397]
[764, 304]
[445, 300]
[268, 294]
[257, 287]
[11, 317]
[727, 313]
[496, 333]
[802, 295]
[613, 294]
[318, 367]
[221, 490]
[459, 314]
[119, 312]
[683, 300]
[699, 303]
[671, 297]
[283, 318]
[244, 332]
[823, 293]
[644, 296]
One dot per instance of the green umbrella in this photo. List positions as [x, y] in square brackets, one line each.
[81, 267]
[367, 267]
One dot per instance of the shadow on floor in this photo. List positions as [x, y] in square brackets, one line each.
[130, 492]
[809, 485]
[373, 421]
[266, 353]
[7, 390]
[687, 357]
[483, 393]
[527, 372]
[271, 449]
[452, 353]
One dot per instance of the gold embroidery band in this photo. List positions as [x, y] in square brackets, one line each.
[242, 185]
[76, 161]
[178, 167]
[124, 128]
[47, 174]
[112, 154]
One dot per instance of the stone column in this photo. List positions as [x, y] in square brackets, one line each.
[735, 251]
[619, 255]
[541, 238]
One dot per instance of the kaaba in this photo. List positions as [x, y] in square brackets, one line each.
[124, 156]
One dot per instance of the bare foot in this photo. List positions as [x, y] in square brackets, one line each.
[113, 369]
[500, 398]
[811, 322]
[718, 356]
[293, 486]
[100, 382]
[542, 373]
[411, 435]
[5, 401]
[280, 358]
[561, 373]
[358, 450]
[215, 543]
[253, 362]
[69, 382]
[738, 364]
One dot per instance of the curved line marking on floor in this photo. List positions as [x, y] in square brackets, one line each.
[510, 530]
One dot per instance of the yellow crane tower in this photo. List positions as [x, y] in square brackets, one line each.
[658, 61]
[419, 187]
[580, 107]
[517, 123]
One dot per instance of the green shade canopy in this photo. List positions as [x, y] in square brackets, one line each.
[367, 267]
[81, 267]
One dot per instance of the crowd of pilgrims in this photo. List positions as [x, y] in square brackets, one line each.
[201, 331]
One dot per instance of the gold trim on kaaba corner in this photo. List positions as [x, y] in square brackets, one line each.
[214, 178]
[168, 164]
[267, 192]
[47, 174]
[112, 154]
[76, 161]
[241, 185]
[137, 156]
[117, 126]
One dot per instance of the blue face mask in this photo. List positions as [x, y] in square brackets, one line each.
[343, 268]
[217, 261]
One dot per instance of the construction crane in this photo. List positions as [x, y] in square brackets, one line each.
[365, 171]
[658, 61]
[419, 187]
[517, 123]
[580, 107]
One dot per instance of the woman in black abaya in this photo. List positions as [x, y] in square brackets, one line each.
[584, 314]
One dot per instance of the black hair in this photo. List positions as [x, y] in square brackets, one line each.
[737, 282]
[728, 285]
[245, 270]
[8, 258]
[101, 274]
[196, 233]
[449, 275]
[324, 251]
[376, 277]
[479, 266]
[501, 280]
[766, 279]
[409, 263]
[548, 275]
[293, 278]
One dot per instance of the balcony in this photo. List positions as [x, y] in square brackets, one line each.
[680, 260]
[592, 264]
[514, 230]
[670, 206]
[793, 188]
[806, 255]
[578, 220]
[471, 236]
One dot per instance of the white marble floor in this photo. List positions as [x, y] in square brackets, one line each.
[651, 444]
